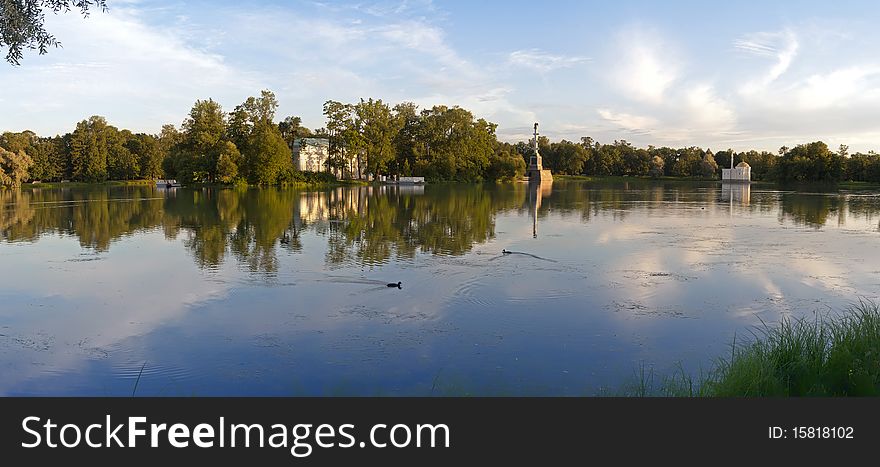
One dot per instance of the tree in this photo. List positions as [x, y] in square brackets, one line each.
[265, 153]
[88, 150]
[810, 162]
[656, 169]
[452, 145]
[22, 24]
[708, 166]
[405, 141]
[341, 134]
[267, 156]
[199, 149]
[147, 151]
[688, 162]
[505, 166]
[13, 167]
[291, 129]
[122, 164]
[378, 128]
[228, 162]
[565, 157]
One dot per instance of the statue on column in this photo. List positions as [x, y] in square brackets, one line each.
[536, 171]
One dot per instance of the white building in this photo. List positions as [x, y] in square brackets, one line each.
[311, 154]
[741, 173]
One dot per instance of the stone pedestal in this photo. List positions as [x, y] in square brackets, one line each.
[536, 172]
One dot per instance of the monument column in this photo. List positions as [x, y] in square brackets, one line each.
[535, 170]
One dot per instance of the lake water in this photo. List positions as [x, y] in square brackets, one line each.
[283, 292]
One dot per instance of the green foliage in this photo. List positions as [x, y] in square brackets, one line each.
[450, 144]
[378, 128]
[88, 150]
[657, 164]
[201, 141]
[810, 162]
[291, 129]
[565, 157]
[228, 163]
[297, 177]
[22, 24]
[688, 163]
[14, 167]
[147, 154]
[708, 166]
[266, 156]
[371, 138]
[504, 166]
[831, 357]
[837, 356]
[121, 163]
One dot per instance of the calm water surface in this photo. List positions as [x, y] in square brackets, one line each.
[283, 292]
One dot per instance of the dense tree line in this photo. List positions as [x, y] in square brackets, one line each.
[812, 162]
[247, 145]
[370, 138]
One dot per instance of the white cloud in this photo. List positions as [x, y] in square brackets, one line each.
[633, 123]
[782, 46]
[838, 88]
[646, 68]
[706, 111]
[113, 64]
[541, 61]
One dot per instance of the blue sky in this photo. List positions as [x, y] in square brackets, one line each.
[741, 75]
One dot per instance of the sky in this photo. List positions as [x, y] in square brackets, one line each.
[741, 75]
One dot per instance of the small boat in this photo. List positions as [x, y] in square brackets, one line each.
[167, 184]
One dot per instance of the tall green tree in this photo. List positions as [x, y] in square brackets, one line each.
[204, 131]
[146, 151]
[265, 154]
[122, 164]
[342, 135]
[708, 166]
[13, 167]
[267, 157]
[88, 150]
[378, 128]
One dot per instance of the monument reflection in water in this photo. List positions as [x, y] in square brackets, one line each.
[537, 191]
[736, 193]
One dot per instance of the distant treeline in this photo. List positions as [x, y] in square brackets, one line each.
[812, 162]
[371, 137]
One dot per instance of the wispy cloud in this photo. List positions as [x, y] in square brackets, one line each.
[782, 46]
[543, 62]
[633, 123]
[114, 64]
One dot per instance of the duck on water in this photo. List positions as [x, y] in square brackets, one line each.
[398, 285]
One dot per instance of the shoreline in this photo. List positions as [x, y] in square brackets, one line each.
[847, 185]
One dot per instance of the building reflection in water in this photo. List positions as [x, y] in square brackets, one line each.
[736, 193]
[537, 190]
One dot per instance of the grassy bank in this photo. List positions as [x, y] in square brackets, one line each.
[310, 183]
[618, 178]
[831, 356]
[762, 183]
[88, 184]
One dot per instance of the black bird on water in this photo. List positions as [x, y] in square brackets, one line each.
[398, 285]
[506, 252]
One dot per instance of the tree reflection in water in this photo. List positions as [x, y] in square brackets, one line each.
[368, 225]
